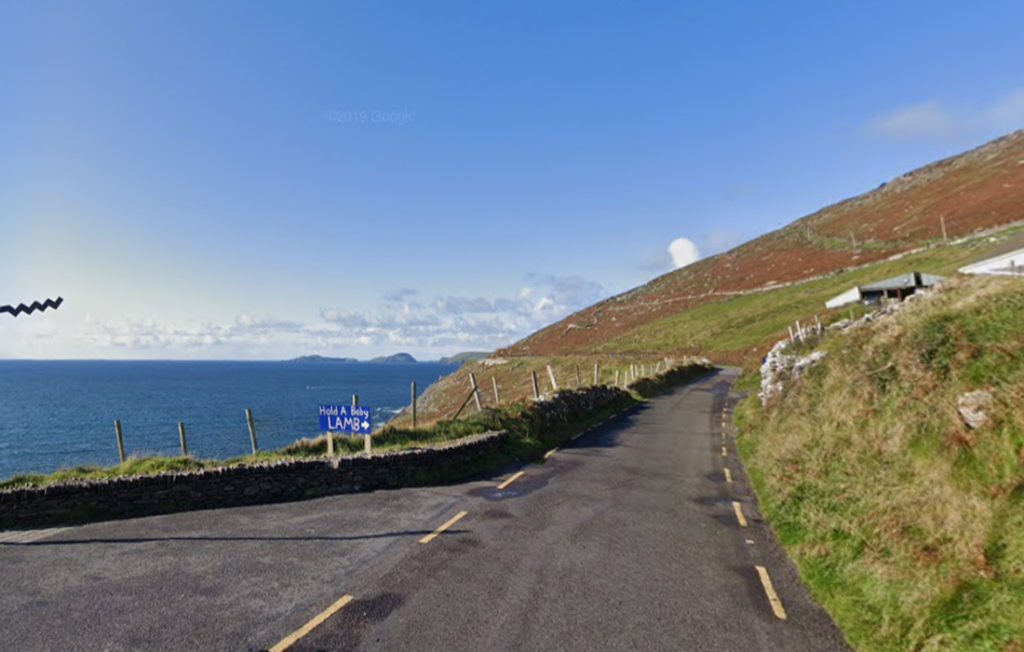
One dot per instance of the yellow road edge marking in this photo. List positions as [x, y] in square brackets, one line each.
[736, 507]
[550, 453]
[724, 451]
[290, 640]
[728, 475]
[447, 524]
[511, 480]
[773, 597]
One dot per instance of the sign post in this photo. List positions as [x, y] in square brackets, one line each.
[353, 419]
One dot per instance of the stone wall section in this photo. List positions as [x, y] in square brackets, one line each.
[271, 482]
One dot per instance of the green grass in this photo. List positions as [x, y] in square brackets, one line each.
[905, 524]
[740, 328]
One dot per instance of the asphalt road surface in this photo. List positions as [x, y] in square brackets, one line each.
[632, 537]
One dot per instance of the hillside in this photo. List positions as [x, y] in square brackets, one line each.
[904, 516]
[977, 190]
[732, 307]
[466, 356]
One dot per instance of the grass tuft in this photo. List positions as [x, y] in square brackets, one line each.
[906, 525]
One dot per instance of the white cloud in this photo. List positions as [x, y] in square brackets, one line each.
[934, 120]
[925, 120]
[569, 291]
[345, 318]
[722, 239]
[475, 322]
[459, 305]
[1008, 113]
[400, 295]
[683, 252]
[439, 326]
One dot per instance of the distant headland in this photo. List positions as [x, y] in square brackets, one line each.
[398, 358]
[320, 358]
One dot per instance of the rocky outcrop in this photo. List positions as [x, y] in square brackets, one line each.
[972, 407]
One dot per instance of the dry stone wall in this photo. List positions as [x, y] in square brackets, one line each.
[241, 485]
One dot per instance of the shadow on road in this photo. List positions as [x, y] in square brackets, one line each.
[254, 539]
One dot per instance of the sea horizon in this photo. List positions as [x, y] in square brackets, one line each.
[60, 413]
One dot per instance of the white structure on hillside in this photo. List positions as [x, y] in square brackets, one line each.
[898, 287]
[1008, 264]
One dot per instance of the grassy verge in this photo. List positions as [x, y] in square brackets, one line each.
[534, 428]
[739, 329]
[907, 525]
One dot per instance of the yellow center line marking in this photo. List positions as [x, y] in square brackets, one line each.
[728, 475]
[724, 451]
[550, 453]
[773, 597]
[511, 480]
[447, 524]
[308, 627]
[736, 507]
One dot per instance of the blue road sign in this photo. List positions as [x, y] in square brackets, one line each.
[345, 418]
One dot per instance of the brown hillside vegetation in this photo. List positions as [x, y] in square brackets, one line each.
[980, 189]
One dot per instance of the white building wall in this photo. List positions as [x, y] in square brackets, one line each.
[850, 296]
[1011, 264]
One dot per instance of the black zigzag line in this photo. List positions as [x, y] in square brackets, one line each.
[28, 310]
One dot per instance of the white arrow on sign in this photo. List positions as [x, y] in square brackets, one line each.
[366, 425]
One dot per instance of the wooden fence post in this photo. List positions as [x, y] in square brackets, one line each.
[252, 431]
[536, 386]
[367, 446]
[551, 375]
[497, 399]
[414, 405]
[462, 407]
[120, 440]
[597, 371]
[476, 391]
[579, 383]
[181, 435]
[942, 221]
[616, 377]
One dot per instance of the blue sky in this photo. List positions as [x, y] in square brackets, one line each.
[262, 180]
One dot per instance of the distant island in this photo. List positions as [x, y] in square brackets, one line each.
[320, 358]
[398, 358]
[463, 358]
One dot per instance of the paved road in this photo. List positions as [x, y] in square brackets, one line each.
[627, 538]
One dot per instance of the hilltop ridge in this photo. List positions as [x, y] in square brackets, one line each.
[978, 189]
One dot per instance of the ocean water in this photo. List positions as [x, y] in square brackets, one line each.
[61, 413]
